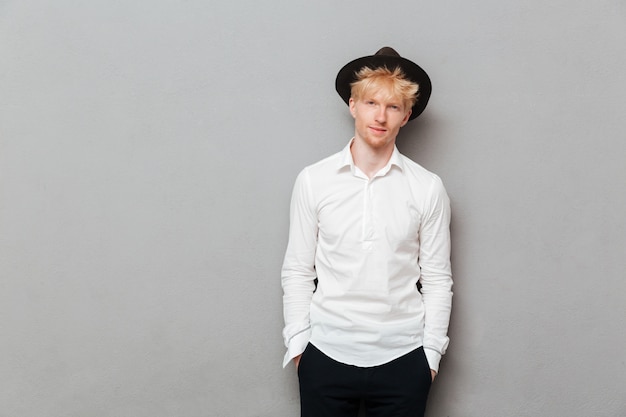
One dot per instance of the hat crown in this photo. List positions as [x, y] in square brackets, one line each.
[387, 51]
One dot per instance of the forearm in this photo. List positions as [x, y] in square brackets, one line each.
[437, 298]
[298, 291]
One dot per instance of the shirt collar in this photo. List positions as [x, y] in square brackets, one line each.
[347, 161]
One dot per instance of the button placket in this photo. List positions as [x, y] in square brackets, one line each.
[368, 218]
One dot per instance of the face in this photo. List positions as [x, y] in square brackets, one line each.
[378, 117]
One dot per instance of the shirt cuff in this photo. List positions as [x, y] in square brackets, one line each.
[433, 358]
[297, 344]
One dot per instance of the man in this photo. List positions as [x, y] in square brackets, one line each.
[366, 276]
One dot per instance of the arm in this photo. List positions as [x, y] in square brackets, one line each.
[436, 276]
[298, 272]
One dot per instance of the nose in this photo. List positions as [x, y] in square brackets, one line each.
[381, 115]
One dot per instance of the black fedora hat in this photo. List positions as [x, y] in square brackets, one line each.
[386, 57]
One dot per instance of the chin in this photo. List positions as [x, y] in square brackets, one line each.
[379, 143]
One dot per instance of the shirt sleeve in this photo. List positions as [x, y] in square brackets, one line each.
[298, 271]
[436, 273]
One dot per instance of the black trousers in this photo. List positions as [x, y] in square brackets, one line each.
[332, 389]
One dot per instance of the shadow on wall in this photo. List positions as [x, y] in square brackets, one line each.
[418, 137]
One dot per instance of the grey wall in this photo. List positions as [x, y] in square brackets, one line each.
[147, 155]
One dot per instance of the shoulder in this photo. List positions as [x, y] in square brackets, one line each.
[427, 188]
[323, 169]
[417, 173]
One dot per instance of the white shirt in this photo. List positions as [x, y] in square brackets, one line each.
[368, 242]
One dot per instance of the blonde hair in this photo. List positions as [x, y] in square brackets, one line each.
[368, 79]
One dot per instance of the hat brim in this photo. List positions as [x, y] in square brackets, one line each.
[347, 75]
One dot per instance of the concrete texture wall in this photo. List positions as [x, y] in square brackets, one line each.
[147, 155]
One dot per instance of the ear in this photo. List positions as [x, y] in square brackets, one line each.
[406, 118]
[352, 106]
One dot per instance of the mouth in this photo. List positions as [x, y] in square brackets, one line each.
[378, 129]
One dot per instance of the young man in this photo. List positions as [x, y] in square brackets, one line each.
[366, 276]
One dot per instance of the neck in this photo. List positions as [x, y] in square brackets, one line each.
[370, 160]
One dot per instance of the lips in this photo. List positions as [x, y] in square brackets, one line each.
[378, 129]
